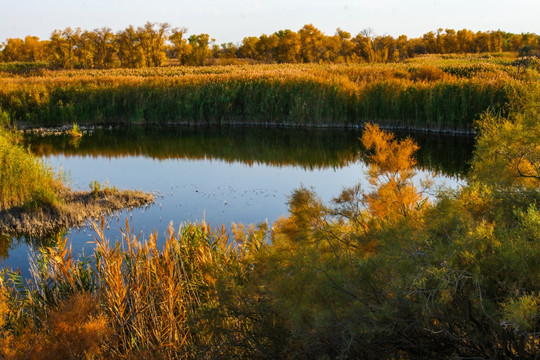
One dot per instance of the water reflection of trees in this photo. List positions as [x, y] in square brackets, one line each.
[310, 148]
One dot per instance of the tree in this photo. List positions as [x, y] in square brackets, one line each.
[152, 42]
[364, 48]
[105, 54]
[312, 43]
[84, 50]
[450, 42]
[508, 150]
[346, 48]
[248, 49]
[13, 50]
[390, 172]
[179, 43]
[288, 47]
[482, 42]
[129, 48]
[62, 45]
[385, 49]
[267, 48]
[198, 50]
[430, 43]
[226, 51]
[466, 41]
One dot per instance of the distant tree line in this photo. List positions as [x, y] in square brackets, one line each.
[154, 43]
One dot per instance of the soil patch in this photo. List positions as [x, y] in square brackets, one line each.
[72, 211]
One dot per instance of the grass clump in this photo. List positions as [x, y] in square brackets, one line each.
[137, 300]
[100, 189]
[24, 180]
[75, 131]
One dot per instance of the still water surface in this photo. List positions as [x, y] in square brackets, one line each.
[223, 174]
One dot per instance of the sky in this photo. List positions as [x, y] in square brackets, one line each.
[232, 20]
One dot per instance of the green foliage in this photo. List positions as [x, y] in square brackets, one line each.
[523, 313]
[5, 119]
[399, 95]
[24, 180]
[97, 188]
[508, 150]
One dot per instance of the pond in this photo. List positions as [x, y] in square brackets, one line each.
[220, 174]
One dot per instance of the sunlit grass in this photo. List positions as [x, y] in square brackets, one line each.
[430, 92]
[142, 296]
[24, 180]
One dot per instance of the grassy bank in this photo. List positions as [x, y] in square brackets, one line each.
[431, 92]
[34, 201]
[24, 180]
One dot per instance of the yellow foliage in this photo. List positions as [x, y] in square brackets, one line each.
[77, 329]
[389, 155]
[508, 150]
[391, 170]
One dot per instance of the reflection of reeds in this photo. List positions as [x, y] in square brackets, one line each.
[309, 148]
[430, 93]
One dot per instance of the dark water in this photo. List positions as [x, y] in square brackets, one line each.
[221, 174]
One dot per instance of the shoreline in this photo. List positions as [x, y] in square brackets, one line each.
[75, 208]
[59, 130]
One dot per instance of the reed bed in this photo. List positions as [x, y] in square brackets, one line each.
[24, 180]
[431, 93]
[148, 298]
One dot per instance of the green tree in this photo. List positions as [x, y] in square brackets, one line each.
[198, 50]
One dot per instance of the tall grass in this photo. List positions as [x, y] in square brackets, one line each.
[149, 295]
[433, 93]
[24, 180]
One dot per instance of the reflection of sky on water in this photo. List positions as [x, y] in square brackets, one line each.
[188, 190]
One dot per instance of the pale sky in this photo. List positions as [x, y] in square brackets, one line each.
[232, 20]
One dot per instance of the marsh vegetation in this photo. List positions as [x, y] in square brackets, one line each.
[426, 93]
[380, 272]
[385, 269]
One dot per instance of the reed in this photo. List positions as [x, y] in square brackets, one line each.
[430, 93]
[24, 180]
[148, 295]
